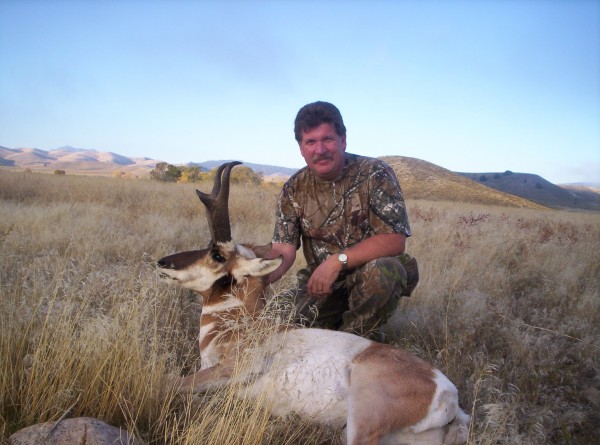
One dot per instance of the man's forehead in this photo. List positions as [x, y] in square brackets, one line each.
[324, 128]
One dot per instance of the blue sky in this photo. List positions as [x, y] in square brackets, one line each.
[474, 86]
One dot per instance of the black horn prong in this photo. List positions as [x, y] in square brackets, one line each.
[208, 198]
[217, 205]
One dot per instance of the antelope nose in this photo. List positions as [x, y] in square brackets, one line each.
[163, 264]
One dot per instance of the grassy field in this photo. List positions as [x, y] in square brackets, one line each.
[508, 307]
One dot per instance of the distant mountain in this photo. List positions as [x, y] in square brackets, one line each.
[22, 156]
[5, 160]
[267, 170]
[537, 189]
[75, 160]
[591, 185]
[68, 148]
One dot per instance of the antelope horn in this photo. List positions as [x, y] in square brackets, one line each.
[217, 206]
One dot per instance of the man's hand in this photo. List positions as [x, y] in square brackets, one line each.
[321, 281]
[380, 245]
[288, 252]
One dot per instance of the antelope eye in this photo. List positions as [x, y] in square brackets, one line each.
[216, 255]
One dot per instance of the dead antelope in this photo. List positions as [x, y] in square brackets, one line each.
[382, 394]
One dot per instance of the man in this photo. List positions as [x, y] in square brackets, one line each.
[348, 211]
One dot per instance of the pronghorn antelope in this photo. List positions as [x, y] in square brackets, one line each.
[382, 394]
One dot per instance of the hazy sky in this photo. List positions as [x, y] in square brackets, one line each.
[474, 86]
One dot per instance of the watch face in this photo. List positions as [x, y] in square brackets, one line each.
[342, 258]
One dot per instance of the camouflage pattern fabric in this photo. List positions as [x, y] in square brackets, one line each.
[362, 300]
[326, 217]
[330, 216]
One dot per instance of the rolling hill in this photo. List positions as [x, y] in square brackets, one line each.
[423, 180]
[75, 160]
[419, 179]
[537, 189]
[267, 170]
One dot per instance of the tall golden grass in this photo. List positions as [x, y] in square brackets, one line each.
[508, 307]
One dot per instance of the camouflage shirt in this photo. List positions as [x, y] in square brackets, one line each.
[329, 216]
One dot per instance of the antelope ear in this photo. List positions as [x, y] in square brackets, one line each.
[256, 267]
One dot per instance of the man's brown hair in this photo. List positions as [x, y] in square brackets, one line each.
[314, 114]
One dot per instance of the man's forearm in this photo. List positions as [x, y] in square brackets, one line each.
[377, 246]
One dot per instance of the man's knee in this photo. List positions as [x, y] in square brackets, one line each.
[385, 275]
[378, 286]
[401, 273]
[412, 273]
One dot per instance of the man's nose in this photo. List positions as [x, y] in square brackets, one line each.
[320, 147]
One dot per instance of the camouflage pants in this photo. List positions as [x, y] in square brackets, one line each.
[362, 299]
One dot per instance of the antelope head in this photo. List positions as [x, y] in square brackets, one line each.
[223, 264]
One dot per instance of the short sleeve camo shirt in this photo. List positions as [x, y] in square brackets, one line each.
[329, 216]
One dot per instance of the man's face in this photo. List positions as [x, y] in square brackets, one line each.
[323, 150]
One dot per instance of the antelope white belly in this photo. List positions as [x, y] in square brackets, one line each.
[307, 371]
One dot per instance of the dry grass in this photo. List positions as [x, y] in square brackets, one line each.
[507, 306]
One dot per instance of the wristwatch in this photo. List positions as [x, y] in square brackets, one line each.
[343, 259]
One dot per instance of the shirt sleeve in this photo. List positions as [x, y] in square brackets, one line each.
[287, 220]
[387, 203]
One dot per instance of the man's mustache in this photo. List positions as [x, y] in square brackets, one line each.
[321, 158]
